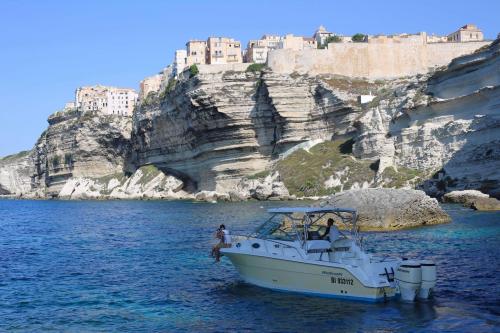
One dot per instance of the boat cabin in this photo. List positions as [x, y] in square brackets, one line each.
[309, 227]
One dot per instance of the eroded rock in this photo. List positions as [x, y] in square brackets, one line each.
[390, 209]
[481, 203]
[463, 196]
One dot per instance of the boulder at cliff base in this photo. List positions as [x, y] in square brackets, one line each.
[390, 209]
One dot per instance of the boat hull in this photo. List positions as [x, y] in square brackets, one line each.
[306, 278]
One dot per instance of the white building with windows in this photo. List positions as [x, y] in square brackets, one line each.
[467, 33]
[107, 100]
[321, 35]
[257, 49]
[180, 62]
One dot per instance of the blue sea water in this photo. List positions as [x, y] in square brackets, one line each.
[144, 266]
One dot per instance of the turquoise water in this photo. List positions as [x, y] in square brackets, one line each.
[143, 266]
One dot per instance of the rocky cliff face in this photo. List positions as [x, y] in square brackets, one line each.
[445, 124]
[79, 145]
[215, 128]
[236, 134]
[15, 172]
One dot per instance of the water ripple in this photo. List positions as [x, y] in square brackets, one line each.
[144, 266]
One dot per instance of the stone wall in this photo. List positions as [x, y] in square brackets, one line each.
[370, 60]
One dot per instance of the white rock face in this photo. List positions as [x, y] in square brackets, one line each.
[267, 188]
[219, 127]
[448, 121]
[141, 185]
[15, 171]
[76, 145]
[390, 209]
[463, 196]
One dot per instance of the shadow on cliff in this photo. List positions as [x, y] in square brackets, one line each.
[267, 122]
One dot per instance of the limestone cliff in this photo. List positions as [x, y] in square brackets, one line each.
[229, 133]
[15, 172]
[217, 127]
[445, 124]
[79, 145]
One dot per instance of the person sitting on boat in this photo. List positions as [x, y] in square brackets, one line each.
[331, 231]
[224, 241]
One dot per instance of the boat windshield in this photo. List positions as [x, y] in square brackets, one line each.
[279, 227]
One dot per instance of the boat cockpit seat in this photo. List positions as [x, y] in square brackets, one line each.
[318, 246]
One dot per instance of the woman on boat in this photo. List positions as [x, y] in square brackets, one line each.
[224, 241]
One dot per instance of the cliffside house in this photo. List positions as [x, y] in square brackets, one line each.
[257, 49]
[107, 100]
[223, 50]
[150, 84]
[467, 33]
[297, 43]
[321, 35]
[196, 52]
[180, 62]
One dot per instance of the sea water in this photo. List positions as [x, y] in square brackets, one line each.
[144, 266]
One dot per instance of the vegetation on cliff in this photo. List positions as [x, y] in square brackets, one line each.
[21, 154]
[359, 37]
[315, 172]
[330, 167]
[255, 67]
[193, 70]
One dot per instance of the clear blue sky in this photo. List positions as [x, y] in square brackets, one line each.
[48, 48]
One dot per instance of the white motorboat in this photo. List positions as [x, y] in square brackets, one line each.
[290, 252]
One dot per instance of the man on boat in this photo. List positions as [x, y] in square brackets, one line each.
[331, 231]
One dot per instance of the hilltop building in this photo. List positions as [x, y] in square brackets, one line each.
[297, 43]
[196, 52]
[107, 100]
[223, 50]
[180, 62]
[436, 39]
[150, 84]
[467, 33]
[215, 50]
[321, 35]
[257, 49]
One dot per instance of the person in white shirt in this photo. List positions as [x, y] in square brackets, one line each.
[331, 231]
[227, 237]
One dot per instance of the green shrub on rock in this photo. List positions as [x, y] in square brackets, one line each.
[359, 38]
[193, 70]
[255, 67]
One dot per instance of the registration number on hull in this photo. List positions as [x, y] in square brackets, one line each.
[341, 280]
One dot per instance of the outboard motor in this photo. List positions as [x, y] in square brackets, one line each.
[428, 278]
[409, 279]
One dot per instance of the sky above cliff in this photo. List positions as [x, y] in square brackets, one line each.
[49, 48]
